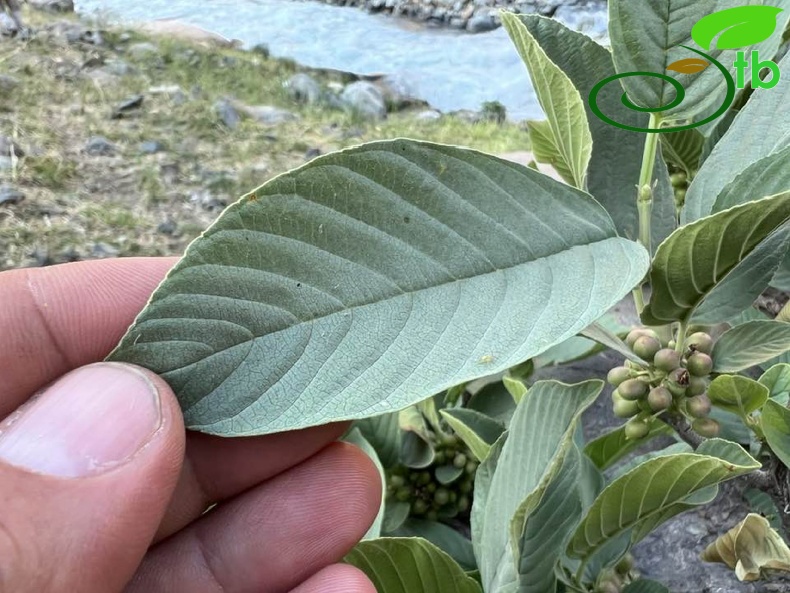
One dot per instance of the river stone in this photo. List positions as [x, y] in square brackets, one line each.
[53, 5]
[174, 29]
[8, 28]
[142, 50]
[8, 83]
[8, 146]
[397, 92]
[267, 114]
[365, 99]
[303, 88]
[227, 114]
[481, 23]
[151, 147]
[10, 196]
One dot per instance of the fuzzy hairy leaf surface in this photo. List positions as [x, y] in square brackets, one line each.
[750, 344]
[714, 268]
[775, 422]
[612, 446]
[372, 278]
[410, 565]
[737, 395]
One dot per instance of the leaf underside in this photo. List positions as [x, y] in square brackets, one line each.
[372, 278]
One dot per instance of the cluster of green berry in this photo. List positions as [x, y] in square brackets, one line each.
[673, 381]
[614, 580]
[440, 491]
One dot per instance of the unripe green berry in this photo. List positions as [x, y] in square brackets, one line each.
[638, 332]
[625, 564]
[659, 399]
[706, 427]
[625, 409]
[698, 406]
[666, 360]
[697, 386]
[633, 389]
[699, 364]
[431, 487]
[440, 458]
[677, 381]
[678, 179]
[465, 487]
[397, 481]
[403, 494]
[419, 507]
[617, 375]
[463, 504]
[645, 347]
[441, 496]
[424, 478]
[636, 429]
[671, 344]
[471, 467]
[453, 496]
[700, 342]
[449, 440]
[459, 461]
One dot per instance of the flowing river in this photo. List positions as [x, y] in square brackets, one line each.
[449, 69]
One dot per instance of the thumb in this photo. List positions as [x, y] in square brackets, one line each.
[87, 469]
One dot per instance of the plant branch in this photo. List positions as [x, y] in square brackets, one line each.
[680, 340]
[683, 429]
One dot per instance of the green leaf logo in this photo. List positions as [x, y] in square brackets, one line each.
[739, 27]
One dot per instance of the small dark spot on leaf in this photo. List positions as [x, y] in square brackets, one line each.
[298, 285]
[406, 219]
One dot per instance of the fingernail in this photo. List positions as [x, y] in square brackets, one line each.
[91, 420]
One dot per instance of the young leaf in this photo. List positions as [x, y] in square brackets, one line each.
[616, 160]
[737, 395]
[603, 336]
[355, 285]
[561, 102]
[547, 150]
[753, 135]
[540, 435]
[494, 401]
[749, 548]
[355, 437]
[739, 27]
[703, 261]
[750, 344]
[416, 446]
[443, 537]
[476, 430]
[777, 380]
[650, 490]
[410, 565]
[612, 446]
[775, 422]
[515, 388]
[383, 433]
[395, 515]
[684, 149]
[484, 477]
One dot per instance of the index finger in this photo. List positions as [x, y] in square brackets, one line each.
[58, 318]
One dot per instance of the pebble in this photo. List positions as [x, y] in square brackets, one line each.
[100, 146]
[8, 83]
[126, 106]
[303, 88]
[8, 146]
[167, 227]
[53, 5]
[142, 50]
[481, 23]
[151, 147]
[267, 114]
[227, 114]
[103, 251]
[312, 153]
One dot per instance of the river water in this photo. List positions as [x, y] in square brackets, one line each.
[449, 69]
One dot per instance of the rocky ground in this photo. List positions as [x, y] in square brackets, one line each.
[474, 16]
[116, 143]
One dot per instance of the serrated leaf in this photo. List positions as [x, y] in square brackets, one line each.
[775, 422]
[749, 548]
[410, 565]
[443, 537]
[355, 437]
[651, 490]
[703, 260]
[355, 285]
[561, 102]
[777, 380]
[645, 586]
[737, 395]
[540, 434]
[752, 136]
[688, 65]
[738, 27]
[616, 160]
[750, 344]
[612, 446]
[476, 430]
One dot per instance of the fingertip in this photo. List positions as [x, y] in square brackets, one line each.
[337, 578]
[367, 476]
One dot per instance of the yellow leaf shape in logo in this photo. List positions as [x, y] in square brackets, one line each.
[689, 65]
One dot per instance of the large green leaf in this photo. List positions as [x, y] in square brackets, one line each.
[355, 437]
[616, 158]
[737, 395]
[777, 380]
[649, 37]
[775, 422]
[410, 565]
[372, 278]
[383, 433]
[612, 446]
[765, 177]
[652, 489]
[754, 135]
[540, 435]
[750, 344]
[493, 400]
[561, 102]
[442, 536]
[718, 259]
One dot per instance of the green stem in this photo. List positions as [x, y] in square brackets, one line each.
[681, 337]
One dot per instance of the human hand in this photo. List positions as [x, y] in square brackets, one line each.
[100, 488]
